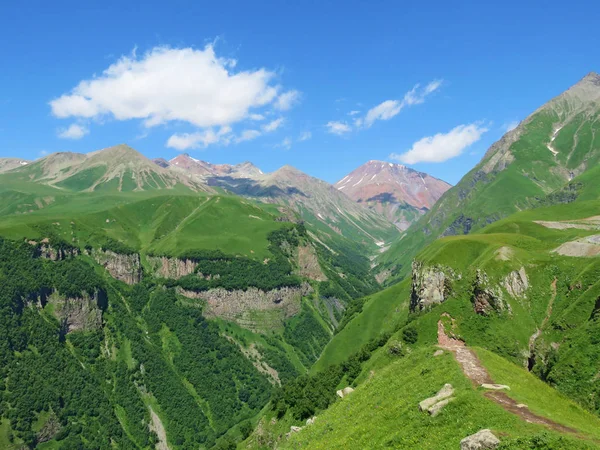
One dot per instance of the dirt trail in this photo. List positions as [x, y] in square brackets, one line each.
[474, 370]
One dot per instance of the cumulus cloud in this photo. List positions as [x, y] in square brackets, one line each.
[273, 125]
[305, 136]
[353, 113]
[73, 132]
[194, 86]
[286, 100]
[442, 146]
[199, 139]
[165, 84]
[338, 128]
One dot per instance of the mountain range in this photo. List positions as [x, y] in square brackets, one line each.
[183, 304]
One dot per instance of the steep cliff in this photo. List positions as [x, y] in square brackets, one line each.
[126, 268]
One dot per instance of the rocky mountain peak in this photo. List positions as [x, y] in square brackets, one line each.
[400, 193]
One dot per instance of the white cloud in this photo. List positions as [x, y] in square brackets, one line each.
[73, 132]
[305, 136]
[286, 100]
[442, 147]
[43, 153]
[178, 84]
[273, 125]
[204, 138]
[509, 126]
[383, 111]
[390, 108]
[338, 128]
[248, 135]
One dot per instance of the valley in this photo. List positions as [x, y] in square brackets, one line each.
[179, 304]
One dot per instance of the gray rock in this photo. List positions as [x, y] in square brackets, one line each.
[430, 285]
[437, 408]
[481, 440]
[344, 392]
[516, 283]
[444, 393]
[496, 387]
[438, 353]
[311, 420]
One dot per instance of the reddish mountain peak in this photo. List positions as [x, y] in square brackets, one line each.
[386, 187]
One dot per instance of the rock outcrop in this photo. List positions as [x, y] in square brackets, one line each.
[308, 264]
[126, 268]
[486, 298]
[55, 253]
[431, 285]
[434, 405]
[253, 308]
[516, 283]
[482, 440]
[175, 268]
[78, 314]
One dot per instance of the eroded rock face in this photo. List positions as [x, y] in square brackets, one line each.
[485, 297]
[245, 307]
[175, 268]
[126, 268]
[308, 264]
[78, 314]
[430, 285]
[482, 440]
[516, 283]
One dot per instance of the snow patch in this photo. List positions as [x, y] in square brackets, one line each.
[359, 181]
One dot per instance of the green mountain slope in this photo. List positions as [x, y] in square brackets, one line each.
[549, 148]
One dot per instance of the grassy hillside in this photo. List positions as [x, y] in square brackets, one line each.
[383, 410]
[380, 313]
[542, 155]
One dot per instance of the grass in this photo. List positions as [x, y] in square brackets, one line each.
[383, 412]
[538, 396]
[166, 222]
[382, 312]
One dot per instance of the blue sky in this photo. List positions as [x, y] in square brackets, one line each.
[322, 85]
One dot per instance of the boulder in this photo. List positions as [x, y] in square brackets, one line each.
[437, 408]
[481, 440]
[495, 387]
[438, 353]
[311, 420]
[444, 393]
[294, 429]
[344, 392]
